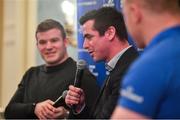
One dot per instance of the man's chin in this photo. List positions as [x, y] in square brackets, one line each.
[97, 60]
[51, 62]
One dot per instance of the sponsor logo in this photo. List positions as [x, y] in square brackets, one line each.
[88, 3]
[92, 70]
[131, 95]
[109, 3]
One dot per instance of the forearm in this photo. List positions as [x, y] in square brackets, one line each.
[20, 110]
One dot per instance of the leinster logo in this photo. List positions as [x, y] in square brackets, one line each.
[108, 3]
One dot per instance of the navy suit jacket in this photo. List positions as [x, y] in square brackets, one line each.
[109, 94]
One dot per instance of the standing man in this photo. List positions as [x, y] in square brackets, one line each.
[105, 38]
[42, 85]
[151, 88]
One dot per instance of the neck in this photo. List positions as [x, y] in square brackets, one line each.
[116, 47]
[59, 62]
[152, 27]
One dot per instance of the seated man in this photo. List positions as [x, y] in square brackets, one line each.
[42, 85]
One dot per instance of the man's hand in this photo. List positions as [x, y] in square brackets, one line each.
[75, 96]
[61, 113]
[45, 110]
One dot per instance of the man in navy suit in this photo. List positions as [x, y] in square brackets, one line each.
[105, 38]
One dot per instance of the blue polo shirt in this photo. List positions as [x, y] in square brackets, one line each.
[152, 85]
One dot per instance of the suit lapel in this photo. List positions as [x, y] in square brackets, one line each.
[99, 96]
[123, 60]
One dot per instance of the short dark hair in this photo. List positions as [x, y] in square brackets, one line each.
[104, 18]
[50, 24]
[88, 16]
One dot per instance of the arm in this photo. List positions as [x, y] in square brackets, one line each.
[90, 91]
[42, 110]
[21, 107]
[16, 108]
[123, 113]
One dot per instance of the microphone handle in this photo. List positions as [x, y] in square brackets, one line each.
[77, 82]
[78, 78]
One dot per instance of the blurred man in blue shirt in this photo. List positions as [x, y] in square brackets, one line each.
[151, 88]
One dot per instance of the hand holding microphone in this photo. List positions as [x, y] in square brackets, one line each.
[75, 98]
[75, 95]
[81, 64]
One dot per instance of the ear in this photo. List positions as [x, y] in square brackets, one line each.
[135, 13]
[66, 41]
[36, 43]
[110, 33]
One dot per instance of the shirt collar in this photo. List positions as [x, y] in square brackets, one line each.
[160, 37]
[111, 64]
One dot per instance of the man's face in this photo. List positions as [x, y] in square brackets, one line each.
[95, 44]
[51, 46]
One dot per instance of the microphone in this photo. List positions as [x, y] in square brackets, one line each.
[81, 65]
[60, 100]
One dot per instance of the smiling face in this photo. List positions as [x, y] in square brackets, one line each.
[52, 47]
[96, 45]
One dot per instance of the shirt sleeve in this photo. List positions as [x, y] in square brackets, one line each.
[143, 87]
[16, 108]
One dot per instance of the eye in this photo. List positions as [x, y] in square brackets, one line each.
[42, 42]
[88, 37]
[54, 40]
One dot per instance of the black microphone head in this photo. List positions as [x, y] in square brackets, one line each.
[81, 64]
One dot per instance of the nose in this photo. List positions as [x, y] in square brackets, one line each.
[49, 45]
[85, 44]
